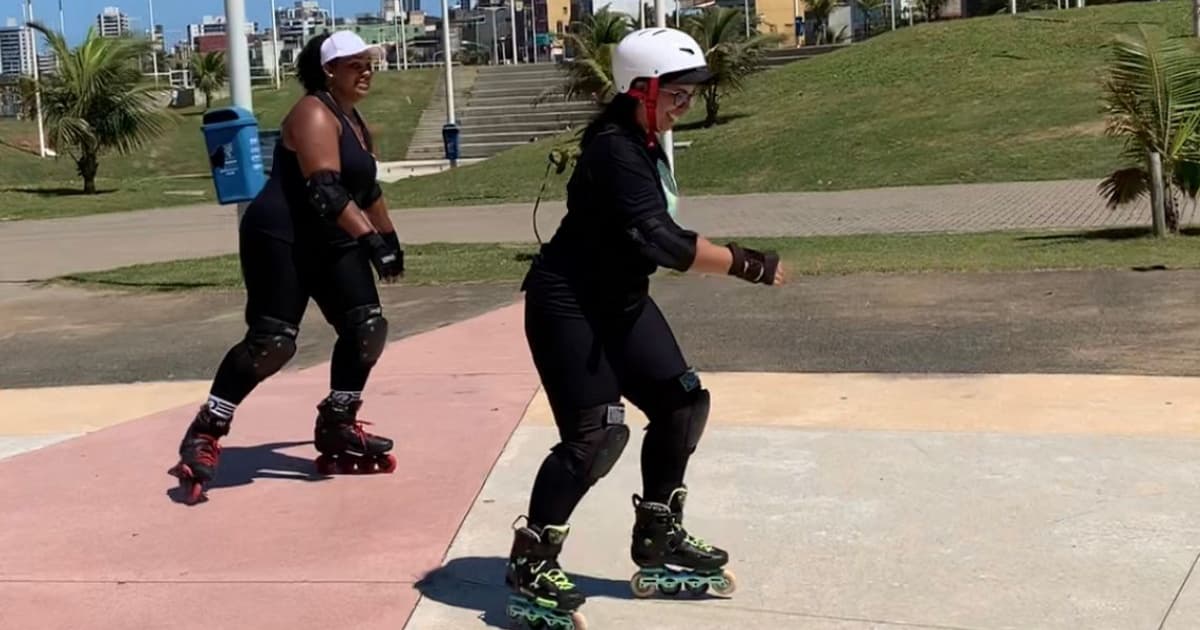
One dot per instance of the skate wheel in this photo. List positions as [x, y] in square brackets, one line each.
[387, 464]
[194, 492]
[326, 465]
[578, 620]
[728, 584]
[639, 586]
[346, 466]
[697, 589]
[671, 590]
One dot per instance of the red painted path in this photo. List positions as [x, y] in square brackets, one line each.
[90, 539]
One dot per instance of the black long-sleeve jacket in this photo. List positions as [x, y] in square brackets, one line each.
[617, 231]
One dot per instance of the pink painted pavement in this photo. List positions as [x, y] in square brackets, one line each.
[89, 537]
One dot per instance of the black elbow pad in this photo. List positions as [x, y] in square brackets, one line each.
[371, 196]
[326, 194]
[664, 243]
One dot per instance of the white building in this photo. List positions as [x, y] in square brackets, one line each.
[16, 49]
[215, 25]
[111, 22]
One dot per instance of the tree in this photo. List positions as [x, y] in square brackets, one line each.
[1152, 99]
[98, 100]
[209, 74]
[731, 55]
[590, 72]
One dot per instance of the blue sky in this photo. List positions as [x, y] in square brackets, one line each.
[174, 15]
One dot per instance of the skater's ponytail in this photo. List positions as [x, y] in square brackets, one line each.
[621, 110]
[308, 65]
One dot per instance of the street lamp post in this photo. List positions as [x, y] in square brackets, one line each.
[238, 62]
[668, 138]
[402, 15]
[275, 47]
[37, 90]
[512, 16]
[447, 58]
[153, 44]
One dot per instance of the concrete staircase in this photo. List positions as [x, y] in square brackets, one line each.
[428, 134]
[776, 57]
[496, 111]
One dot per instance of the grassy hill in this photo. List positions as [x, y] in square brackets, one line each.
[1000, 98]
[174, 170]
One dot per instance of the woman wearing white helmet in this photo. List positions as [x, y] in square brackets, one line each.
[596, 335]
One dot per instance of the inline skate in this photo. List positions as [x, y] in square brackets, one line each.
[344, 446]
[199, 452]
[543, 596]
[660, 544]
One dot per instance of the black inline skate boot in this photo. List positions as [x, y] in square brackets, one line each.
[199, 452]
[543, 596]
[660, 543]
[344, 446]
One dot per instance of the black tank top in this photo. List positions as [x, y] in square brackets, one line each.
[282, 209]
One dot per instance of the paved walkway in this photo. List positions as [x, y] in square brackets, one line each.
[42, 249]
[955, 501]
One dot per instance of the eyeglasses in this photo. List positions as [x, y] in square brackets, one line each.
[679, 97]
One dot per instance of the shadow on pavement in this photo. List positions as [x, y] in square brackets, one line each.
[477, 583]
[241, 465]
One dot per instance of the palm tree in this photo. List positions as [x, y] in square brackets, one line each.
[1152, 98]
[731, 55]
[208, 74]
[98, 101]
[590, 73]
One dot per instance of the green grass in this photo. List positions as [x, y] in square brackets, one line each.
[997, 98]
[174, 169]
[440, 263]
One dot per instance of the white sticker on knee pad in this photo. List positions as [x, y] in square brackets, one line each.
[615, 415]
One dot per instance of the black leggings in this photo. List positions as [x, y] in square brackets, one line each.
[280, 278]
[587, 362]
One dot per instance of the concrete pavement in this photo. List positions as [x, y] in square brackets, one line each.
[848, 501]
[42, 249]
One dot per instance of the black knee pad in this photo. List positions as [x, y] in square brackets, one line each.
[367, 327]
[270, 343]
[600, 439]
[681, 407]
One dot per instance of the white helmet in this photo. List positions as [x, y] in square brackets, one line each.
[653, 52]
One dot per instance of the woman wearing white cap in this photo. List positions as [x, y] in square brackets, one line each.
[315, 231]
[596, 336]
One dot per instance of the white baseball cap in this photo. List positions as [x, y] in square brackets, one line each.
[344, 44]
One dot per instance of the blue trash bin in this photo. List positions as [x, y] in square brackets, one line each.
[231, 137]
[450, 142]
